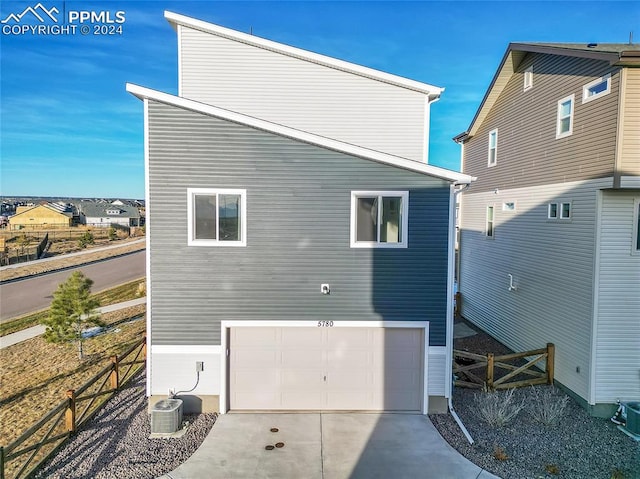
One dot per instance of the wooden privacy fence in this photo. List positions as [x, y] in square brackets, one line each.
[467, 365]
[24, 455]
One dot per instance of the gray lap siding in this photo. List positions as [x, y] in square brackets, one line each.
[298, 227]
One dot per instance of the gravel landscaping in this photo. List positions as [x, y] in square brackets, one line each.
[577, 447]
[116, 444]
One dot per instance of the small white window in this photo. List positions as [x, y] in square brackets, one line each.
[492, 157]
[565, 211]
[565, 117]
[596, 88]
[509, 206]
[379, 219]
[553, 211]
[490, 228]
[217, 217]
[528, 78]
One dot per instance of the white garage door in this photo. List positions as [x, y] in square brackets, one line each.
[339, 368]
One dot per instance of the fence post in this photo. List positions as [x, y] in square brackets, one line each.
[70, 414]
[115, 374]
[551, 353]
[144, 347]
[1, 462]
[456, 313]
[490, 371]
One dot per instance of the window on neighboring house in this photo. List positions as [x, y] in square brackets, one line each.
[565, 211]
[560, 211]
[553, 211]
[509, 206]
[565, 117]
[379, 219]
[217, 217]
[490, 229]
[596, 88]
[528, 78]
[493, 148]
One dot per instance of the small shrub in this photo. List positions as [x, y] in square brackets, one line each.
[86, 239]
[552, 469]
[548, 406]
[618, 474]
[113, 235]
[500, 454]
[497, 408]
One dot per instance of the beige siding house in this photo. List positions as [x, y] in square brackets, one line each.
[550, 241]
[41, 216]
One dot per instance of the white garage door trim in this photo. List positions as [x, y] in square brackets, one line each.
[227, 325]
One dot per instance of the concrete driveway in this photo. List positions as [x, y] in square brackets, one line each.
[326, 446]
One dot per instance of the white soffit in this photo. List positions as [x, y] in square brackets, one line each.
[433, 92]
[331, 144]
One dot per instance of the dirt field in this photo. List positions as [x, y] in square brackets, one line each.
[35, 374]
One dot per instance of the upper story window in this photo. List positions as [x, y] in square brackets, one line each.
[565, 117]
[379, 219]
[492, 157]
[490, 227]
[596, 88]
[217, 217]
[509, 206]
[528, 78]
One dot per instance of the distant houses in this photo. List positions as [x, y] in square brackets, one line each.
[104, 215]
[49, 215]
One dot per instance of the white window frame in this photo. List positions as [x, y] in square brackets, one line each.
[493, 133]
[493, 222]
[549, 211]
[380, 194]
[585, 89]
[191, 240]
[509, 206]
[528, 79]
[559, 118]
[635, 234]
[561, 210]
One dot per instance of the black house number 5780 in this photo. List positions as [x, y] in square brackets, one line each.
[325, 324]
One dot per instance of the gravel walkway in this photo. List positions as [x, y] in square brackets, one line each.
[115, 444]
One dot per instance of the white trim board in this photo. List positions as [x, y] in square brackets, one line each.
[328, 143]
[433, 92]
[225, 326]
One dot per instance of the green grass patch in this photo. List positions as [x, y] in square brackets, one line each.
[119, 294]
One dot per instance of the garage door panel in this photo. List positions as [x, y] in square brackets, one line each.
[338, 368]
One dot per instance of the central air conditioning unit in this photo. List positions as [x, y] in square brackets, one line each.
[166, 416]
[633, 417]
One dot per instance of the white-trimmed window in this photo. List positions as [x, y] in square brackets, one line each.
[565, 117]
[509, 206]
[217, 217]
[559, 211]
[596, 88]
[490, 225]
[492, 155]
[635, 248]
[528, 78]
[379, 219]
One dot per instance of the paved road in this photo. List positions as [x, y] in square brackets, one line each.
[32, 294]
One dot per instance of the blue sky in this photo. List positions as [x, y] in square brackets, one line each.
[68, 127]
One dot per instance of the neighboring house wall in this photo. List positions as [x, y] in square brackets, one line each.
[617, 320]
[552, 266]
[39, 217]
[107, 221]
[528, 152]
[629, 151]
[302, 94]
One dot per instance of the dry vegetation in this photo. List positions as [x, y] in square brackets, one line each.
[36, 374]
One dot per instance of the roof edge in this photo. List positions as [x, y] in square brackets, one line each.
[144, 93]
[432, 91]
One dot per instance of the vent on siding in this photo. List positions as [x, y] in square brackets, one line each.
[166, 416]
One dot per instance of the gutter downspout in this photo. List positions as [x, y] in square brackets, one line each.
[449, 342]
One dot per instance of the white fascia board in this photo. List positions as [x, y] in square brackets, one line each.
[306, 137]
[176, 19]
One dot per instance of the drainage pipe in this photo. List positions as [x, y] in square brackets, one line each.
[460, 424]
